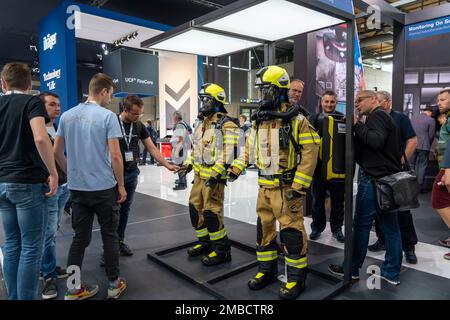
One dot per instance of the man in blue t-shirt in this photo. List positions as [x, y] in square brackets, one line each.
[90, 134]
[409, 144]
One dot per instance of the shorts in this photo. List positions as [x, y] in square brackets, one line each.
[440, 198]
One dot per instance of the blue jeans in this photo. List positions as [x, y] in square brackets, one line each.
[365, 212]
[55, 206]
[131, 181]
[24, 213]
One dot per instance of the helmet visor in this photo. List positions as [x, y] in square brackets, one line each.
[269, 93]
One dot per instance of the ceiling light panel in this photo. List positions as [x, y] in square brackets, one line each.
[204, 43]
[273, 20]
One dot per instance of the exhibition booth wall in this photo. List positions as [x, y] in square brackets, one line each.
[175, 82]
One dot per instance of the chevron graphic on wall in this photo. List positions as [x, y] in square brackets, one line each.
[183, 108]
[177, 95]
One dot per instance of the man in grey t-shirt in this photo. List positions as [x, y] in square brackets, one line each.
[90, 133]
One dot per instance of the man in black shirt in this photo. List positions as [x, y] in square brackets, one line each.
[27, 171]
[134, 130]
[55, 205]
[378, 155]
[408, 145]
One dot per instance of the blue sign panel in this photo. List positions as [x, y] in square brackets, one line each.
[428, 28]
[57, 55]
[344, 5]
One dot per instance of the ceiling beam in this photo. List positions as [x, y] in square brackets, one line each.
[376, 40]
[428, 14]
[208, 4]
[402, 3]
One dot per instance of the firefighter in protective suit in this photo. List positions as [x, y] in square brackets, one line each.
[284, 147]
[215, 141]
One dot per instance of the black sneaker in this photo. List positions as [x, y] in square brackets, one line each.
[410, 256]
[102, 261]
[124, 249]
[180, 187]
[214, 259]
[339, 236]
[315, 234]
[261, 280]
[50, 290]
[376, 247]
[61, 273]
[339, 271]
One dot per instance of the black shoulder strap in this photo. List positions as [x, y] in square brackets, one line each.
[225, 119]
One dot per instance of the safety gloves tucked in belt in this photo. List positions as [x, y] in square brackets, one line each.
[292, 194]
[184, 170]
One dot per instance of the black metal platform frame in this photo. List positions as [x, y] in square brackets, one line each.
[207, 284]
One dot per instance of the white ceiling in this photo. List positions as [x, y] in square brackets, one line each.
[106, 30]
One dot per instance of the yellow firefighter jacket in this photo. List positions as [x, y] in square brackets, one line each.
[214, 147]
[274, 154]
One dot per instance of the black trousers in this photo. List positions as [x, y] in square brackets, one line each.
[84, 206]
[407, 230]
[336, 188]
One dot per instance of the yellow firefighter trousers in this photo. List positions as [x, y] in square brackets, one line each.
[273, 206]
[207, 199]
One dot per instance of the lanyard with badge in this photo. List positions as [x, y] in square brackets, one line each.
[128, 154]
[13, 92]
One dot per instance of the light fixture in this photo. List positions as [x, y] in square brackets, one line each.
[264, 19]
[125, 38]
[196, 41]
[105, 49]
[247, 23]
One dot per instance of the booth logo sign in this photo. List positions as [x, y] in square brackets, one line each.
[55, 74]
[139, 81]
[49, 41]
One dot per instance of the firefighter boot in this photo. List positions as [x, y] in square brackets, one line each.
[204, 243]
[294, 286]
[296, 264]
[202, 247]
[220, 243]
[261, 280]
[267, 266]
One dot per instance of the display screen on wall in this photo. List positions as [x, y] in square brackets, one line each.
[427, 62]
[133, 72]
[428, 44]
[331, 52]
